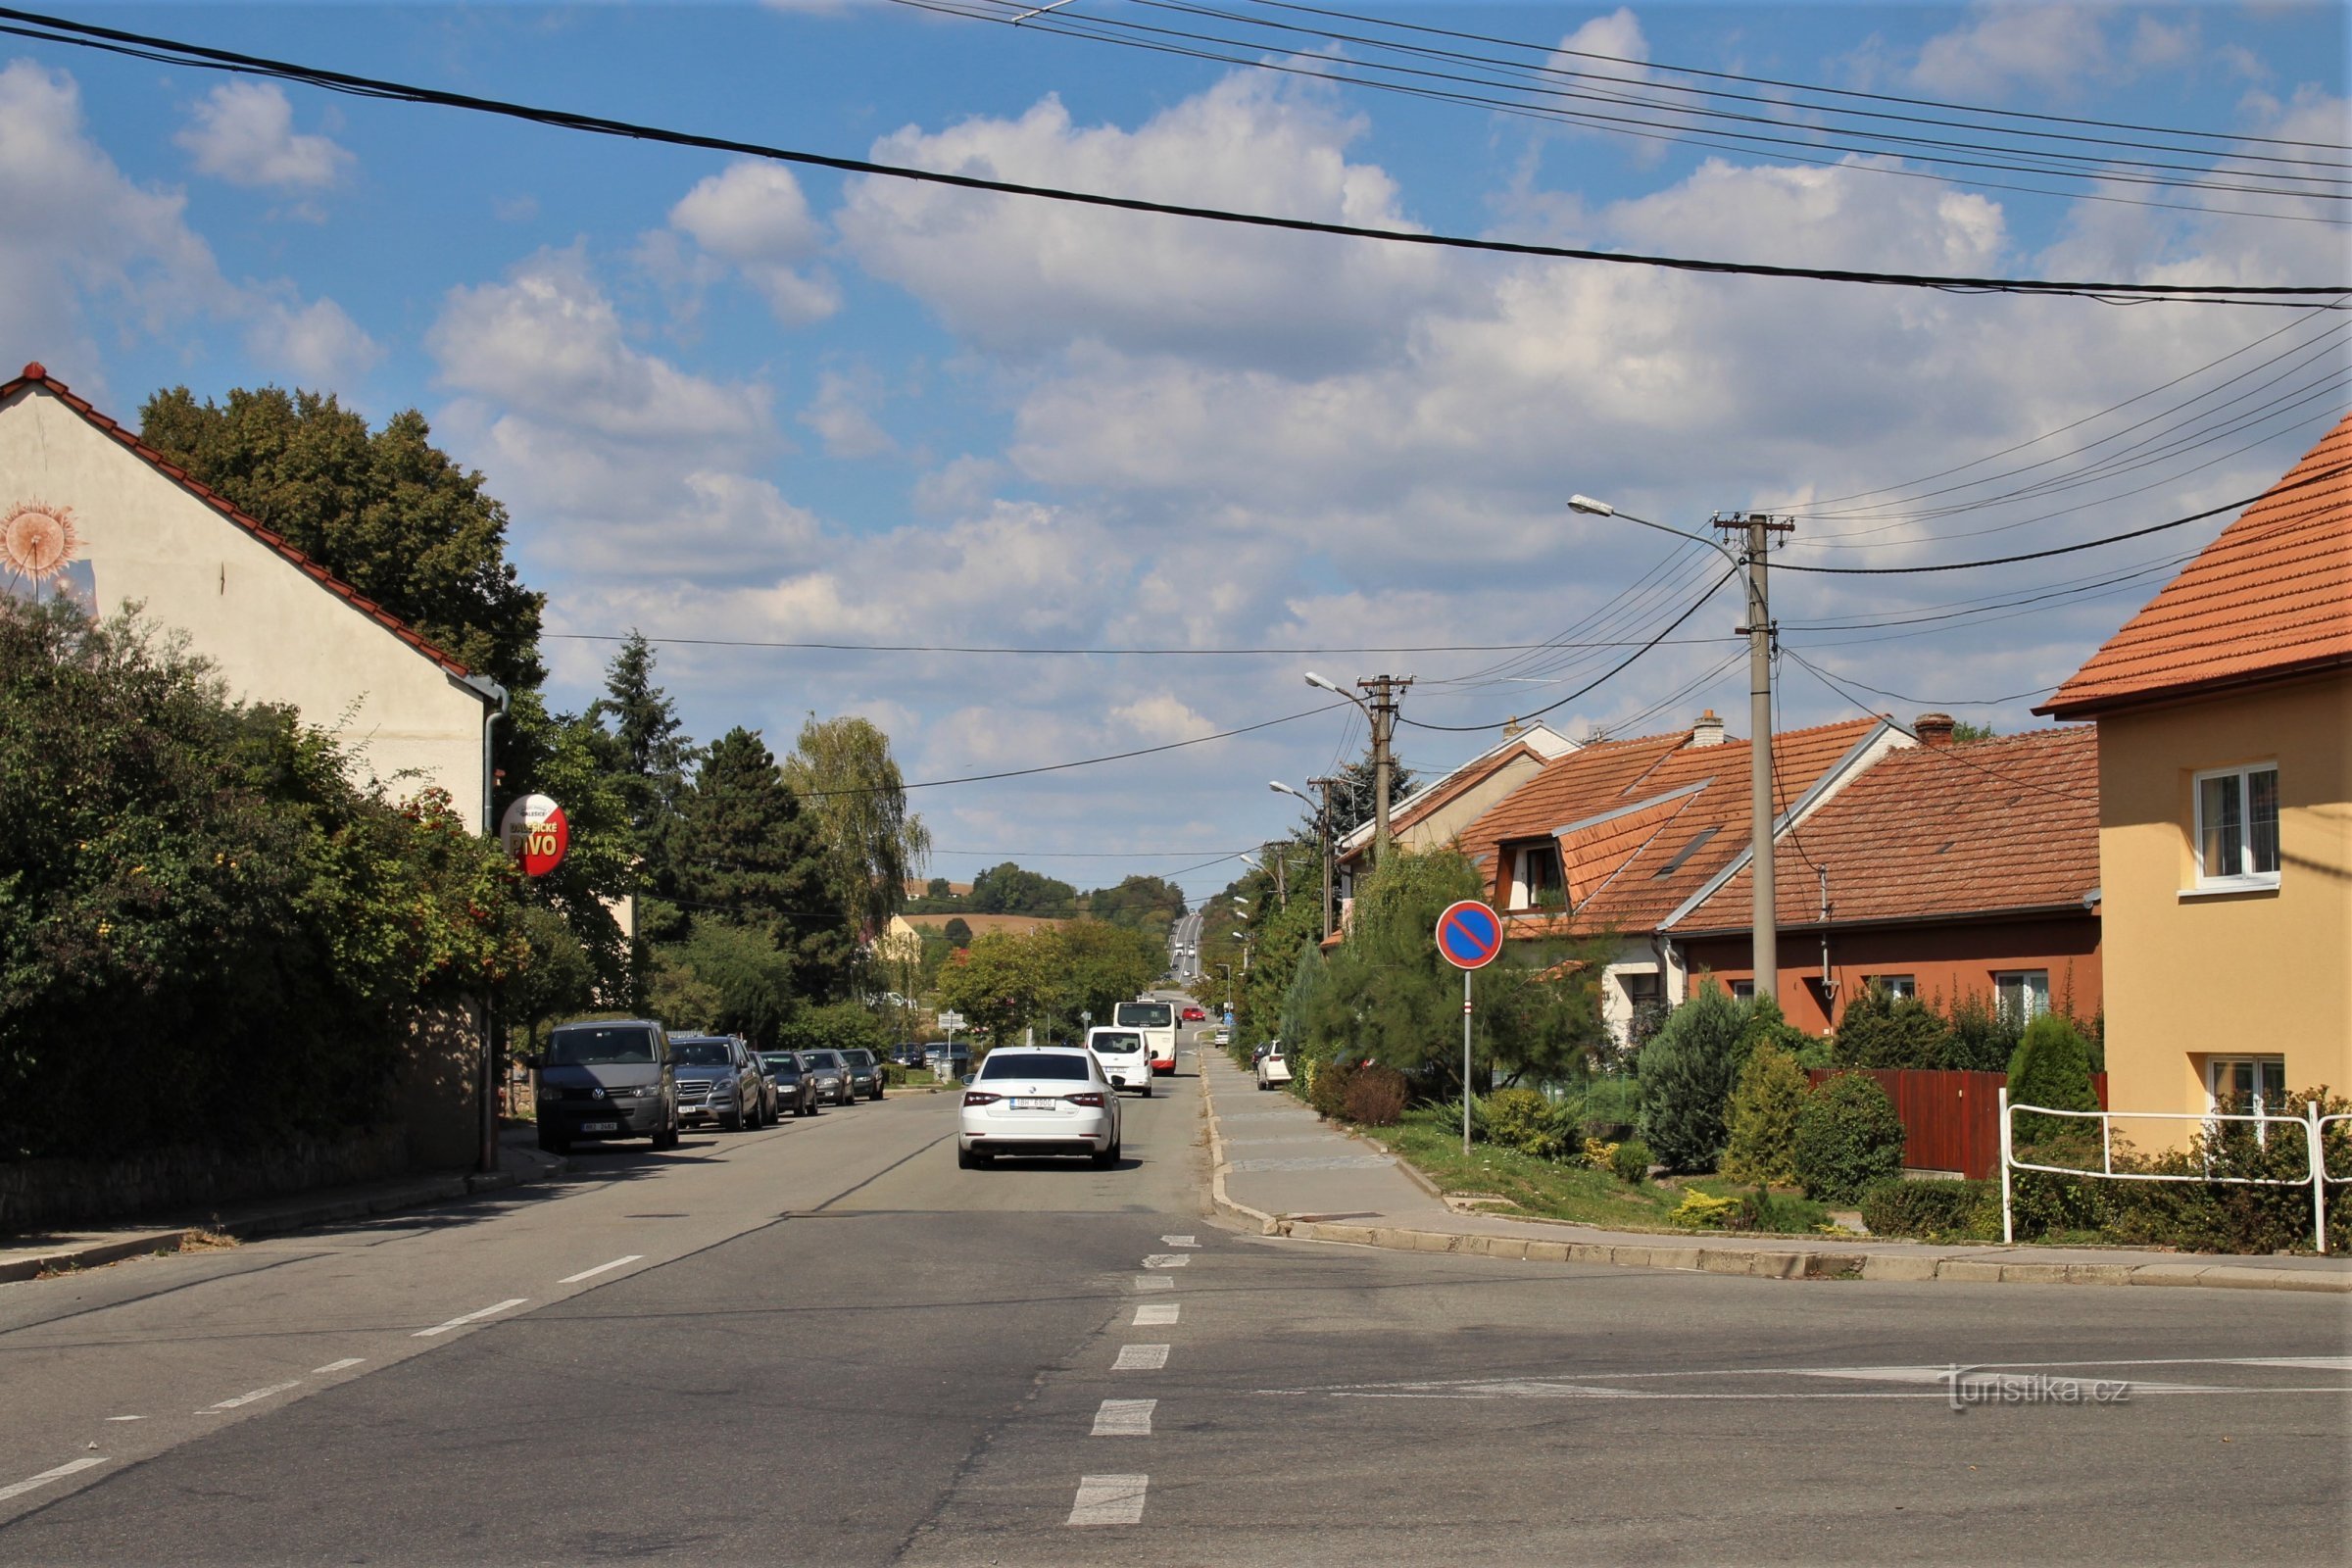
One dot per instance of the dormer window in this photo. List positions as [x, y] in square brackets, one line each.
[1536, 879]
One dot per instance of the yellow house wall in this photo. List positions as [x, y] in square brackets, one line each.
[273, 634]
[2263, 973]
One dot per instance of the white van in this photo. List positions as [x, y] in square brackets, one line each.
[1125, 1057]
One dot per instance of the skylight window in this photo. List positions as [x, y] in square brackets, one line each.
[1697, 842]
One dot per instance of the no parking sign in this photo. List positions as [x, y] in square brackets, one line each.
[1469, 934]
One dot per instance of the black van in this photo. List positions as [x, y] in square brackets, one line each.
[605, 1080]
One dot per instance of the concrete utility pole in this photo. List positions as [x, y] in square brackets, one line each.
[1756, 529]
[1384, 690]
[1323, 839]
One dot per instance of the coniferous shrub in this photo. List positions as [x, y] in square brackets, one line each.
[1688, 1071]
[1848, 1139]
[1878, 1030]
[1764, 1109]
[1984, 1034]
[1631, 1160]
[1935, 1210]
[1521, 1119]
[2051, 1068]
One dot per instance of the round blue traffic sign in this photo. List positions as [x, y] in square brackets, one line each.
[1469, 934]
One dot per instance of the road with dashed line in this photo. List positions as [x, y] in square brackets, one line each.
[824, 1344]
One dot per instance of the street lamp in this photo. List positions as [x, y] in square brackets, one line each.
[1764, 920]
[1322, 835]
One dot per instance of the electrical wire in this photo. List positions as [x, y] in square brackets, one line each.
[2068, 550]
[1695, 606]
[1123, 653]
[1942, 702]
[1947, 752]
[167, 51]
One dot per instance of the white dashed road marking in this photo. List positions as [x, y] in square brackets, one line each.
[591, 1273]
[1153, 1282]
[1110, 1500]
[126, 1418]
[248, 1398]
[1140, 1358]
[344, 1365]
[1124, 1418]
[1167, 1260]
[1156, 1315]
[471, 1317]
[76, 1466]
[1179, 1241]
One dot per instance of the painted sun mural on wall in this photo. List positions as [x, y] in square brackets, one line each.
[40, 553]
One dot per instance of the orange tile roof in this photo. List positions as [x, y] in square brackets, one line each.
[1617, 858]
[2270, 598]
[35, 375]
[1973, 828]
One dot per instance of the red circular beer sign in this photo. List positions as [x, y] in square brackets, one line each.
[535, 834]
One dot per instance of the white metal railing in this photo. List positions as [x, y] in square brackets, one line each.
[2312, 1123]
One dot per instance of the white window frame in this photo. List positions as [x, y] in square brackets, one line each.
[2270, 1082]
[1523, 892]
[2037, 1000]
[1744, 989]
[2239, 879]
[1895, 985]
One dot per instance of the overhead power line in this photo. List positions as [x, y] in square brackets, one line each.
[173, 52]
[1695, 606]
[2068, 550]
[1137, 652]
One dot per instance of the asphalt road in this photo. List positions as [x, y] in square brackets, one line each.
[830, 1345]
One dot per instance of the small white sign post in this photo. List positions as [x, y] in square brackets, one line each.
[1469, 936]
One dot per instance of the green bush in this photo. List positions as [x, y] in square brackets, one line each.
[2051, 1068]
[1763, 1119]
[1935, 1210]
[840, 1026]
[1521, 1119]
[2226, 1217]
[1848, 1139]
[1376, 1097]
[1878, 1030]
[1984, 1034]
[1631, 1160]
[1611, 1108]
[1686, 1072]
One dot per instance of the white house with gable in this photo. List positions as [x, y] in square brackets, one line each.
[88, 510]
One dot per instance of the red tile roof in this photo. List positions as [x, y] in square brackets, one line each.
[35, 375]
[1618, 860]
[2270, 598]
[1974, 829]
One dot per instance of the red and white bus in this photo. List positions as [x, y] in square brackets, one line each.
[1157, 1022]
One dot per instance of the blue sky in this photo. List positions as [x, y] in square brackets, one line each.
[728, 400]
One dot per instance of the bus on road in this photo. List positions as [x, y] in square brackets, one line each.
[1157, 1021]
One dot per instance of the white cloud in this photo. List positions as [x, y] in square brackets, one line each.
[843, 415]
[1161, 717]
[82, 244]
[243, 132]
[1023, 276]
[753, 216]
[2009, 44]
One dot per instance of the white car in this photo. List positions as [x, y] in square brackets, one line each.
[1125, 1055]
[1273, 1066]
[1039, 1100]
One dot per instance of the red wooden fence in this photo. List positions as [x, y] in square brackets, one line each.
[1951, 1120]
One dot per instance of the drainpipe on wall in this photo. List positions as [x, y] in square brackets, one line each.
[486, 1085]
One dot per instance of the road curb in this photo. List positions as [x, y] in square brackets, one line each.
[1780, 1263]
[412, 1193]
[1754, 1262]
[1264, 1223]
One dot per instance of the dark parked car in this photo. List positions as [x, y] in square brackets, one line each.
[770, 1096]
[910, 1054]
[832, 1075]
[947, 1060]
[717, 1082]
[600, 1081]
[796, 1091]
[865, 1074]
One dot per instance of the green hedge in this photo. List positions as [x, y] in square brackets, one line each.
[1935, 1210]
[1848, 1139]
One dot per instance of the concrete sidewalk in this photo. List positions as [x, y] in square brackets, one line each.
[521, 1162]
[1285, 1172]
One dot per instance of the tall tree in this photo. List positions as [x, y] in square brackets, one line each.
[648, 749]
[1140, 904]
[385, 511]
[741, 848]
[1009, 888]
[857, 802]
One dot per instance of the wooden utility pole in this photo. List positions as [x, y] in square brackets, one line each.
[1323, 842]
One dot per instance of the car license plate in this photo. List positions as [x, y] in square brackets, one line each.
[1020, 1104]
[600, 1126]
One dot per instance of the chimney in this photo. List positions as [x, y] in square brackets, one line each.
[1709, 731]
[1934, 729]
[1513, 729]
